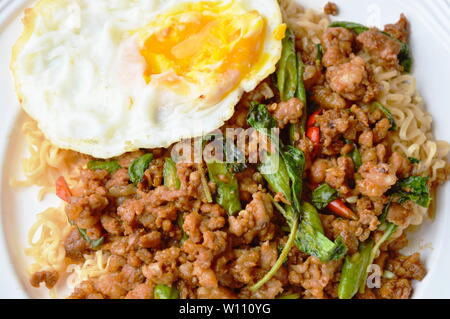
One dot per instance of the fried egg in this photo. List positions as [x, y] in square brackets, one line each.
[106, 77]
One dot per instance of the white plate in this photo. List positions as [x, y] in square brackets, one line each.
[430, 47]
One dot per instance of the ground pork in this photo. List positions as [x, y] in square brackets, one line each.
[400, 165]
[380, 46]
[337, 43]
[245, 264]
[318, 170]
[312, 75]
[164, 270]
[49, 277]
[215, 293]
[348, 78]
[249, 183]
[86, 290]
[313, 276]
[350, 231]
[153, 175]
[399, 215]
[360, 114]
[111, 223]
[75, 246]
[110, 285]
[118, 178]
[326, 98]
[338, 175]
[376, 179]
[269, 290]
[150, 240]
[254, 220]
[89, 200]
[141, 291]
[330, 8]
[268, 255]
[395, 289]
[399, 30]
[335, 126]
[409, 267]
[352, 81]
[381, 130]
[287, 112]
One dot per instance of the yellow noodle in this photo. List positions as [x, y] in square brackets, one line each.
[41, 168]
[46, 239]
[414, 136]
[308, 25]
[46, 162]
[95, 265]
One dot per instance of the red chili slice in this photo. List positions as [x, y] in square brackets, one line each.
[312, 118]
[313, 133]
[62, 189]
[339, 208]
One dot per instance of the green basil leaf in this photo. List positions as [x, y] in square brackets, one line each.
[388, 114]
[413, 188]
[294, 160]
[137, 168]
[95, 244]
[323, 195]
[110, 166]
[312, 240]
[259, 117]
[278, 179]
[355, 27]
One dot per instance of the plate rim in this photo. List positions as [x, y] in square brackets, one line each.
[9, 12]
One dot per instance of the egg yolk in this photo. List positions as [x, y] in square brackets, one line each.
[203, 41]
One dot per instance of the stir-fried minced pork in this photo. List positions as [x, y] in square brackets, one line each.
[380, 45]
[287, 112]
[330, 8]
[399, 30]
[338, 45]
[48, 277]
[351, 80]
[179, 232]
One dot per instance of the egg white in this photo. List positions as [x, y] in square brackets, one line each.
[78, 75]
